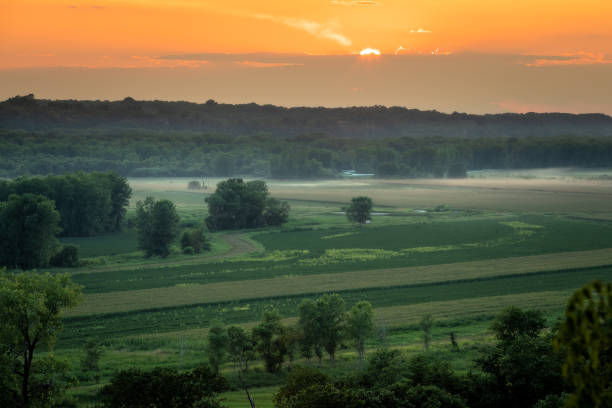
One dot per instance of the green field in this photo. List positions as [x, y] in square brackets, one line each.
[527, 242]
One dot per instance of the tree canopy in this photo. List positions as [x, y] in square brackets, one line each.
[359, 209]
[28, 225]
[157, 226]
[236, 205]
[31, 307]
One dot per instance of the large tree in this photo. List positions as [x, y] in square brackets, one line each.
[236, 205]
[31, 306]
[157, 225]
[360, 325]
[359, 210]
[28, 225]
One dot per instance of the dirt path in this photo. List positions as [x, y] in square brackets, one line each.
[239, 245]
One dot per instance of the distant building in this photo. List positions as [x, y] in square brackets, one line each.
[352, 173]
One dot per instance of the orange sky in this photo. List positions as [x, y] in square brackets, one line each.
[466, 55]
[111, 32]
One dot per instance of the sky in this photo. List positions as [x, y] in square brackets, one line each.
[477, 56]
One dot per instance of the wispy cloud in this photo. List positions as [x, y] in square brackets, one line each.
[354, 3]
[420, 31]
[399, 49]
[259, 64]
[583, 58]
[320, 30]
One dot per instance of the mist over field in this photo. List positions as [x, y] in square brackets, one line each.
[305, 204]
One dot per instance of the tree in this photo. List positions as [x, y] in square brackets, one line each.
[217, 345]
[514, 323]
[239, 346]
[236, 204]
[157, 225]
[331, 323]
[522, 368]
[31, 306]
[67, 257]
[164, 387]
[28, 224]
[426, 325]
[308, 325]
[359, 210]
[276, 212]
[360, 325]
[586, 339]
[91, 359]
[270, 345]
[195, 240]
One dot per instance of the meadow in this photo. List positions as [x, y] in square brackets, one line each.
[461, 250]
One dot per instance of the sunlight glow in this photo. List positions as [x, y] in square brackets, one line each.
[369, 51]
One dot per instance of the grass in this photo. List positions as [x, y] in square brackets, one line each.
[388, 247]
[527, 242]
[127, 301]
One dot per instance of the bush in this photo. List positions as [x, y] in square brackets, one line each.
[193, 241]
[194, 185]
[67, 257]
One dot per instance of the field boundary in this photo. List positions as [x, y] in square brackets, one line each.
[175, 296]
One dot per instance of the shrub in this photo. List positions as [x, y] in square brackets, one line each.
[67, 257]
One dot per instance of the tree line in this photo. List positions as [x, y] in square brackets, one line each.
[87, 203]
[27, 112]
[528, 364]
[152, 153]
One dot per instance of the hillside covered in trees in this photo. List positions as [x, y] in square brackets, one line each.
[156, 138]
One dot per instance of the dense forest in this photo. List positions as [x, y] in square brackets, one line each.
[137, 138]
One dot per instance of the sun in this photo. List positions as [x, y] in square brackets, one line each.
[369, 51]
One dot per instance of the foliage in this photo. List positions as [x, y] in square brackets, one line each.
[360, 325]
[236, 205]
[88, 203]
[426, 325]
[66, 257]
[276, 212]
[359, 210]
[91, 360]
[586, 338]
[164, 387]
[269, 339]
[457, 170]
[522, 368]
[514, 323]
[217, 345]
[139, 138]
[157, 225]
[31, 308]
[240, 346]
[28, 224]
[194, 185]
[195, 240]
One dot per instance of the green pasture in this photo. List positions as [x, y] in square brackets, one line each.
[520, 241]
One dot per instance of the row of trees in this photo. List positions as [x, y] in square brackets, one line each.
[149, 153]
[528, 366]
[323, 325]
[569, 365]
[88, 203]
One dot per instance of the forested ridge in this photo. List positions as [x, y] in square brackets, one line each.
[26, 112]
[156, 138]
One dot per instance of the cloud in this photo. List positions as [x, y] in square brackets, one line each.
[325, 31]
[583, 58]
[259, 64]
[420, 31]
[354, 3]
[399, 49]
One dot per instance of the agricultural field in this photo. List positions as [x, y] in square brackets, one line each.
[461, 250]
